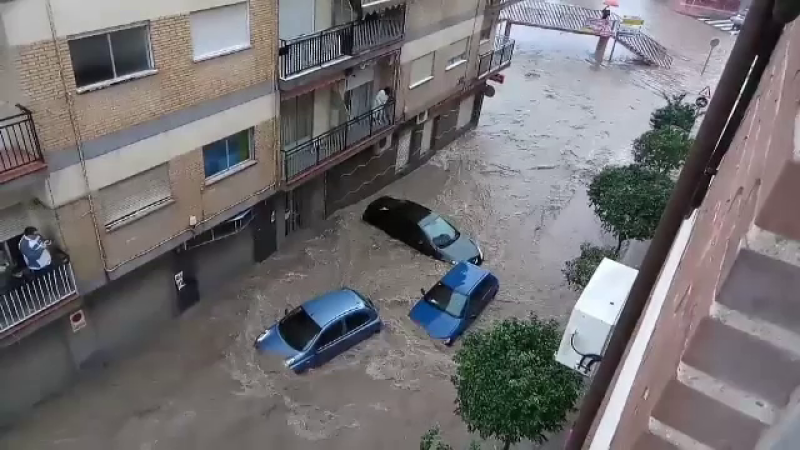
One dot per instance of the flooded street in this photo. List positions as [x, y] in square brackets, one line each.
[517, 184]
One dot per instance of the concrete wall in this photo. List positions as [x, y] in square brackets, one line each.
[34, 368]
[733, 291]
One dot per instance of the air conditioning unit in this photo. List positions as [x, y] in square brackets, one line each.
[594, 317]
[383, 144]
[422, 117]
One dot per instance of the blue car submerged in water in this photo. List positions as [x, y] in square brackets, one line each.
[320, 329]
[450, 307]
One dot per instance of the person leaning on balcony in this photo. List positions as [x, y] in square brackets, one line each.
[34, 250]
[380, 114]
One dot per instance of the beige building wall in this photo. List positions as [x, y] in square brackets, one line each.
[37, 55]
[46, 75]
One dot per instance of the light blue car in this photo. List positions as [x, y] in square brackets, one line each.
[314, 333]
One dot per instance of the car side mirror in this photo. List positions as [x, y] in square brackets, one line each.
[422, 291]
[285, 311]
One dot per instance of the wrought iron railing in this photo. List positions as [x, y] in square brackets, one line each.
[318, 49]
[305, 156]
[27, 296]
[498, 58]
[19, 144]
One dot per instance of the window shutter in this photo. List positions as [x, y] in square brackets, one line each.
[219, 29]
[135, 193]
[422, 68]
[13, 221]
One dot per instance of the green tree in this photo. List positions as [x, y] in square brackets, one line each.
[629, 201]
[579, 271]
[508, 384]
[676, 113]
[662, 149]
[432, 440]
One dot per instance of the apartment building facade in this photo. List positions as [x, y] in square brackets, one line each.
[166, 146]
[715, 361]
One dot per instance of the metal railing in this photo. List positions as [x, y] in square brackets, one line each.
[25, 298]
[19, 144]
[318, 49]
[307, 155]
[498, 58]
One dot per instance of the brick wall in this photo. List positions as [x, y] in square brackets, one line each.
[194, 198]
[179, 83]
[745, 187]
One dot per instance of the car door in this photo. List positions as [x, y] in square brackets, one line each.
[329, 343]
[356, 328]
[480, 298]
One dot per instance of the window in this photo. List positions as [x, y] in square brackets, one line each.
[447, 300]
[421, 70]
[297, 120]
[226, 153]
[113, 56]
[356, 320]
[459, 53]
[135, 196]
[219, 31]
[486, 34]
[439, 231]
[334, 332]
[298, 328]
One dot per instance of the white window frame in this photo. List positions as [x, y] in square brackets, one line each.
[116, 80]
[227, 50]
[459, 58]
[241, 165]
[416, 83]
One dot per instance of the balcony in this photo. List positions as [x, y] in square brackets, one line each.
[304, 157]
[24, 295]
[306, 53]
[498, 58]
[20, 153]
[499, 4]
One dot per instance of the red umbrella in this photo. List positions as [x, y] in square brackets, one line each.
[614, 3]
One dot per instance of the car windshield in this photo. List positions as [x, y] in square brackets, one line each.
[298, 328]
[447, 300]
[440, 232]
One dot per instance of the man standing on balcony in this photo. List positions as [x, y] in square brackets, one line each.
[34, 250]
[380, 114]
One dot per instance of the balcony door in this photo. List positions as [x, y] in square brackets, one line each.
[295, 18]
[297, 128]
[359, 103]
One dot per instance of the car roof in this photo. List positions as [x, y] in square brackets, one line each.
[463, 277]
[327, 307]
[407, 208]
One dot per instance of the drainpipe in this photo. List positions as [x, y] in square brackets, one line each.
[772, 34]
[722, 103]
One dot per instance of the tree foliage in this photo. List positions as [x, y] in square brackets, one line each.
[509, 386]
[579, 271]
[432, 440]
[629, 200]
[662, 149]
[676, 113]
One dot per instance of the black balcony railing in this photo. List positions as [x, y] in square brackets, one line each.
[305, 156]
[318, 49]
[498, 58]
[19, 144]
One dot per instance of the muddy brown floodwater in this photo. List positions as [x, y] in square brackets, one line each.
[517, 183]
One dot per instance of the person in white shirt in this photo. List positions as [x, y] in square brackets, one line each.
[380, 113]
[34, 250]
